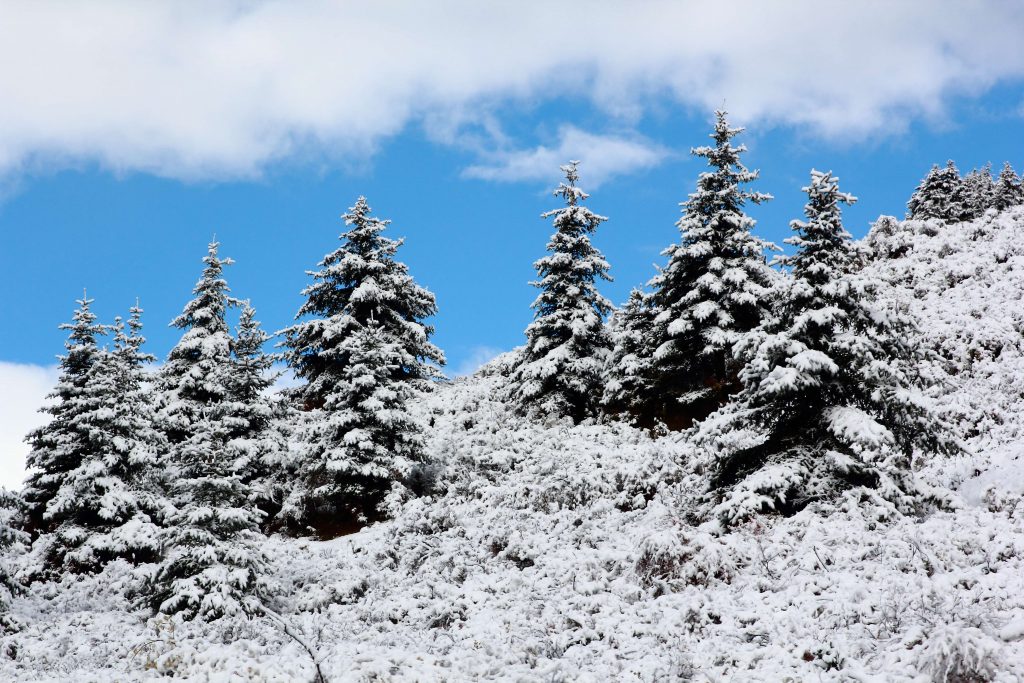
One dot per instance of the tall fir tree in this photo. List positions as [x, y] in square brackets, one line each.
[58, 447]
[13, 541]
[212, 564]
[627, 390]
[257, 417]
[364, 442]
[712, 291]
[197, 371]
[830, 399]
[978, 193]
[940, 195]
[567, 344]
[1008, 190]
[109, 505]
[352, 457]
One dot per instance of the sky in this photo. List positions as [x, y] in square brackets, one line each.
[133, 134]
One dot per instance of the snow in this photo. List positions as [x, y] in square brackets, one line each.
[856, 426]
[559, 552]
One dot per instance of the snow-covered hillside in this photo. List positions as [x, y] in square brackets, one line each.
[574, 553]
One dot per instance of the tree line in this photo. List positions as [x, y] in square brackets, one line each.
[796, 385]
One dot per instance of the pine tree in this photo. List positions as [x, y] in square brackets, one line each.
[627, 389]
[12, 541]
[196, 374]
[1008, 190]
[360, 293]
[258, 436]
[59, 446]
[212, 565]
[107, 507]
[829, 399]
[711, 292]
[567, 344]
[363, 441]
[940, 195]
[978, 193]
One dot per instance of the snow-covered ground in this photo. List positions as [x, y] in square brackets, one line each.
[573, 553]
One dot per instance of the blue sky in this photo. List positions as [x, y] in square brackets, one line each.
[470, 240]
[131, 134]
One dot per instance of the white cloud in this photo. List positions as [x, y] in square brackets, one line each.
[601, 157]
[221, 89]
[23, 390]
[478, 357]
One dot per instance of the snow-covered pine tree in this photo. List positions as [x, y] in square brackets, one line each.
[978, 193]
[60, 446]
[12, 541]
[196, 374]
[1008, 190]
[212, 564]
[256, 417]
[940, 195]
[363, 442]
[107, 507]
[627, 389]
[829, 399]
[713, 290]
[360, 285]
[567, 344]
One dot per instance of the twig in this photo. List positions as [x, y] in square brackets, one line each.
[314, 654]
[820, 563]
[1013, 508]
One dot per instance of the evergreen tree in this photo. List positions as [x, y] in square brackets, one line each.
[107, 506]
[258, 437]
[60, 446]
[212, 565]
[829, 400]
[363, 441]
[711, 292]
[978, 193]
[1008, 190]
[567, 344]
[360, 293]
[627, 389]
[197, 372]
[940, 195]
[12, 541]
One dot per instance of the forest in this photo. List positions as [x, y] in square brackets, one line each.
[712, 479]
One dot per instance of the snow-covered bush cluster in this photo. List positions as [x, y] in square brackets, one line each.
[804, 473]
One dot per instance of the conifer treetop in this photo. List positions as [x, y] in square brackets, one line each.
[81, 344]
[567, 341]
[1007, 191]
[573, 261]
[58, 447]
[940, 195]
[713, 288]
[360, 283]
[823, 244]
[207, 310]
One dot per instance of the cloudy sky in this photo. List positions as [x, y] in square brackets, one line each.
[131, 133]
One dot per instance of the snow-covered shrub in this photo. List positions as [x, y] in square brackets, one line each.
[670, 557]
[957, 653]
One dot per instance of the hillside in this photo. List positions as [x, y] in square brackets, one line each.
[562, 552]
